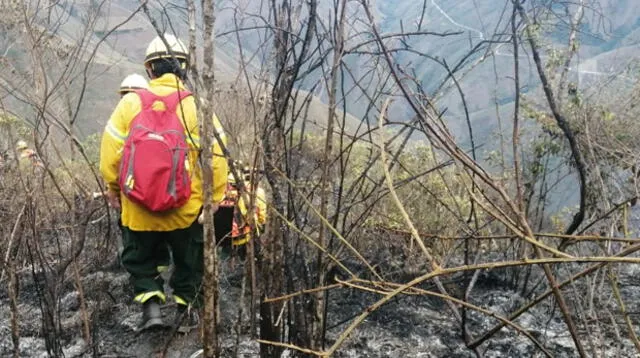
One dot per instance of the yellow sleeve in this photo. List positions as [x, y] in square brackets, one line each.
[241, 206]
[219, 164]
[261, 206]
[115, 133]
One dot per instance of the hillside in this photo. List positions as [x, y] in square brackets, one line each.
[609, 41]
[112, 46]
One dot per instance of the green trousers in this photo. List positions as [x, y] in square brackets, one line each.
[162, 255]
[144, 251]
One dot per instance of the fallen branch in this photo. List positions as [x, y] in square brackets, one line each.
[455, 300]
[301, 292]
[630, 250]
[294, 347]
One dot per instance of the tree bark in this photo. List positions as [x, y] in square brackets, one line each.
[193, 56]
[318, 325]
[210, 279]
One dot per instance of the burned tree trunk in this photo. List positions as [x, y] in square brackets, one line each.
[210, 279]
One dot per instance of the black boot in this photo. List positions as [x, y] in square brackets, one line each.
[151, 315]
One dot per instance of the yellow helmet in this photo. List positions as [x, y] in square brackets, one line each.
[158, 50]
[132, 83]
[21, 145]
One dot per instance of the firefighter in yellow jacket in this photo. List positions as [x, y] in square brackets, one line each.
[27, 154]
[241, 232]
[233, 218]
[144, 230]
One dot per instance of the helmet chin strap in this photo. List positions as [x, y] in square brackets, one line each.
[148, 71]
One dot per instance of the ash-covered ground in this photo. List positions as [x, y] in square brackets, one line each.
[408, 326]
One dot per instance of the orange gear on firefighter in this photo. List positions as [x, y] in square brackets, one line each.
[240, 231]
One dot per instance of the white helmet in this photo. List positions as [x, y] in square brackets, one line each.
[157, 49]
[132, 83]
[21, 145]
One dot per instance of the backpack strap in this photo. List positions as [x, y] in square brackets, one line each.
[147, 98]
[172, 100]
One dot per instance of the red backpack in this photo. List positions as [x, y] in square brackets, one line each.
[153, 168]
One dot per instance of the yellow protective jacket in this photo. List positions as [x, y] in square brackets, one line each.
[241, 235]
[134, 216]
